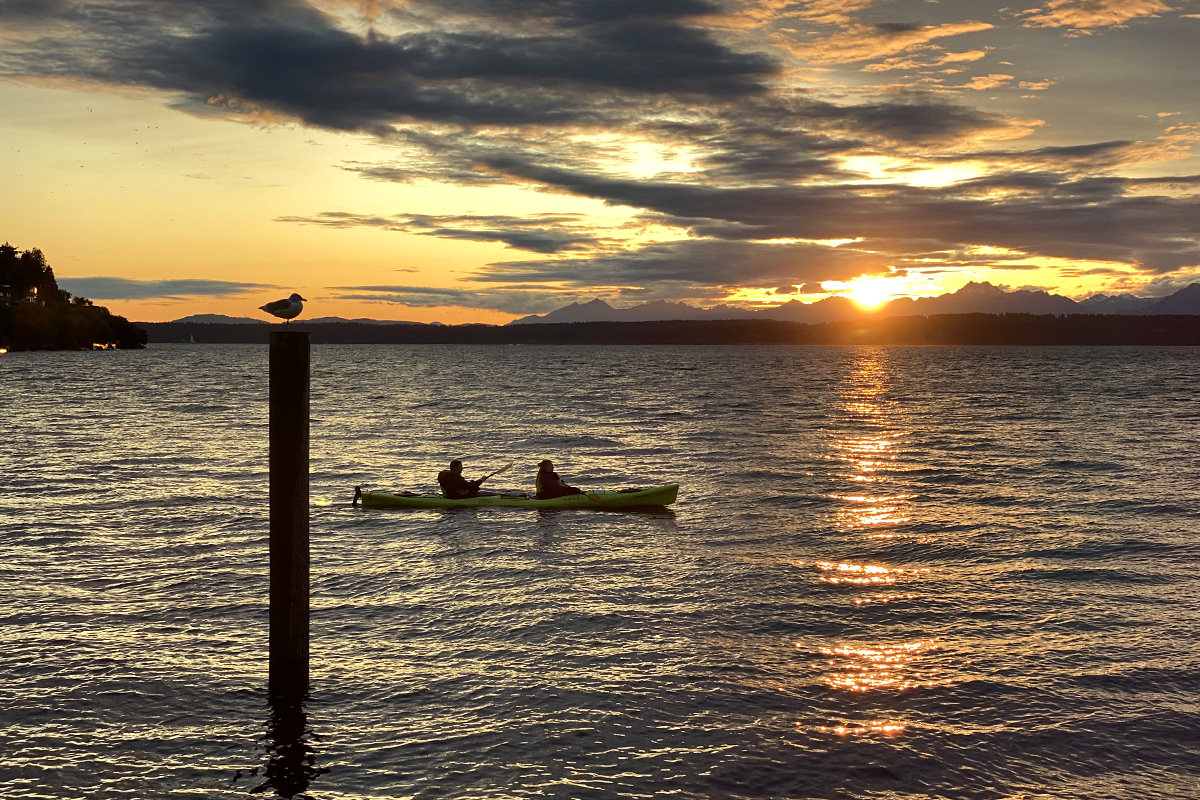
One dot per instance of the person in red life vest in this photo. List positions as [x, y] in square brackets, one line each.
[549, 484]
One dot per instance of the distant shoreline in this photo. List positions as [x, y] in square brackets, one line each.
[943, 329]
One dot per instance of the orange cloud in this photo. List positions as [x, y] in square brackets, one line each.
[1081, 16]
[876, 42]
[921, 61]
[970, 55]
[981, 83]
[832, 12]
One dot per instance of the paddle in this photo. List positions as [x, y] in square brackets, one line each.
[505, 468]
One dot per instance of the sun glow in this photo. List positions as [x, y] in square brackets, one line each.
[871, 291]
[886, 169]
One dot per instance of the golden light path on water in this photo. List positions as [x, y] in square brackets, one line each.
[866, 448]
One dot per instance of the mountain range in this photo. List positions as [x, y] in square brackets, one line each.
[222, 319]
[974, 298]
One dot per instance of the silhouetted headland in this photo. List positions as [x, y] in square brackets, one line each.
[36, 315]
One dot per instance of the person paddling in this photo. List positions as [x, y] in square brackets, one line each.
[549, 484]
[455, 486]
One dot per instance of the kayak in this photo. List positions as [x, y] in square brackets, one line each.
[642, 498]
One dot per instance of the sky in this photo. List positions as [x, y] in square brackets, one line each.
[480, 160]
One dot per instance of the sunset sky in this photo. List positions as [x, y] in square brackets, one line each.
[479, 160]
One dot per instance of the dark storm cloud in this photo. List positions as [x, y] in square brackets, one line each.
[285, 58]
[22, 10]
[101, 288]
[919, 121]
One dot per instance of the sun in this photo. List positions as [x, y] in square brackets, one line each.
[870, 292]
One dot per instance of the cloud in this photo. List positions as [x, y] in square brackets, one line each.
[103, 288]
[702, 266]
[537, 233]
[1053, 166]
[700, 271]
[1049, 202]
[958, 58]
[858, 43]
[1041, 214]
[828, 12]
[785, 139]
[1083, 16]
[983, 83]
[504, 64]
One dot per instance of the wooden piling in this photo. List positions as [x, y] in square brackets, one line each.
[289, 401]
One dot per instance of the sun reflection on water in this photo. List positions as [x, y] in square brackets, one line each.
[870, 501]
[863, 574]
[872, 511]
[862, 729]
[869, 451]
[870, 667]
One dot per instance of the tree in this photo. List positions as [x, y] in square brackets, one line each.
[9, 258]
[56, 321]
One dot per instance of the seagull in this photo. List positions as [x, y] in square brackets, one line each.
[285, 309]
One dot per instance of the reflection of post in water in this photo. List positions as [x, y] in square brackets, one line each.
[291, 760]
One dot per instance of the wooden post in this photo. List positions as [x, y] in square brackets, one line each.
[289, 385]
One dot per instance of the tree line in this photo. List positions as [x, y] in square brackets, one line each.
[37, 315]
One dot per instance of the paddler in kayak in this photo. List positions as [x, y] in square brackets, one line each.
[549, 484]
[455, 486]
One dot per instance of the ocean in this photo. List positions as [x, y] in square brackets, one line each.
[892, 573]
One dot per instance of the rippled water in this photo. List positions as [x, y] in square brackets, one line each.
[892, 573]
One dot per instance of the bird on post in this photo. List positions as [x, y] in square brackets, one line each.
[285, 309]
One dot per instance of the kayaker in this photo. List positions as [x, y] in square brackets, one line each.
[549, 484]
[454, 485]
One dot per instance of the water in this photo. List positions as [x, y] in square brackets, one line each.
[892, 573]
